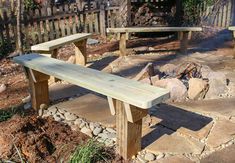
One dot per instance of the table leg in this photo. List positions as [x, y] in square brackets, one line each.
[122, 44]
[80, 52]
[38, 83]
[128, 133]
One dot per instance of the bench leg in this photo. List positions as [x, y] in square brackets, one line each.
[38, 83]
[128, 133]
[234, 44]
[122, 44]
[184, 37]
[80, 52]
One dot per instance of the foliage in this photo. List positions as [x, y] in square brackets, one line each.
[90, 152]
[5, 48]
[30, 4]
[191, 10]
[6, 114]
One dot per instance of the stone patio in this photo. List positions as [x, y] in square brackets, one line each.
[175, 132]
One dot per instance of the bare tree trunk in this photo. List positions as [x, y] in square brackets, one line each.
[18, 26]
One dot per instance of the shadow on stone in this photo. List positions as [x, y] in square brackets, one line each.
[167, 119]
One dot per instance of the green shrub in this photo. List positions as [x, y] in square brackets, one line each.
[91, 152]
[5, 48]
[191, 10]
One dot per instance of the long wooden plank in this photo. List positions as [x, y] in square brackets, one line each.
[153, 29]
[232, 28]
[126, 90]
[54, 44]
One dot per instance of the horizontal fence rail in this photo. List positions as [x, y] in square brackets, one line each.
[48, 23]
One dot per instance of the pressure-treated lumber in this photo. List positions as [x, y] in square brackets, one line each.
[232, 28]
[55, 44]
[153, 29]
[38, 83]
[126, 90]
[80, 52]
[128, 133]
[183, 32]
[128, 99]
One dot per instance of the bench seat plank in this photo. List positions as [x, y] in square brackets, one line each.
[232, 28]
[54, 44]
[129, 91]
[153, 29]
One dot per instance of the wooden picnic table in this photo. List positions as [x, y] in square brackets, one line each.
[128, 99]
[184, 34]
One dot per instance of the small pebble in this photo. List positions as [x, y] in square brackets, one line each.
[149, 157]
[141, 159]
[2, 88]
[86, 131]
[27, 106]
[26, 99]
[70, 117]
[97, 131]
[111, 130]
[161, 155]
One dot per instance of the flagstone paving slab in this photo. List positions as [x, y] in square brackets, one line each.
[226, 155]
[218, 107]
[162, 140]
[185, 122]
[222, 132]
[174, 159]
[59, 91]
[91, 107]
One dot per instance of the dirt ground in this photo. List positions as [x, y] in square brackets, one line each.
[37, 139]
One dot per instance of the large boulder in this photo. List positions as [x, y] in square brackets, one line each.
[217, 85]
[197, 88]
[168, 69]
[178, 91]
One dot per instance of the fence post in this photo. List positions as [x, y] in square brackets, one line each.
[102, 20]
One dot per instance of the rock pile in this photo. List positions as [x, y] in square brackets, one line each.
[188, 81]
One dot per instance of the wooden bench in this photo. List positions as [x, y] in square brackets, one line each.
[233, 29]
[50, 48]
[128, 99]
[184, 34]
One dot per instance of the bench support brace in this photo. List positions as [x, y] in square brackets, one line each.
[38, 83]
[80, 52]
[128, 133]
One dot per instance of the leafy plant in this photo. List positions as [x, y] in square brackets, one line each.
[5, 48]
[30, 4]
[91, 152]
[191, 10]
[6, 114]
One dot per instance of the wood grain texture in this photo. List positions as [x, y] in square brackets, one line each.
[134, 113]
[122, 44]
[80, 52]
[112, 105]
[154, 29]
[128, 134]
[232, 28]
[126, 90]
[184, 42]
[55, 44]
[38, 83]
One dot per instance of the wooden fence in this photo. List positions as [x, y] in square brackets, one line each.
[222, 16]
[49, 23]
